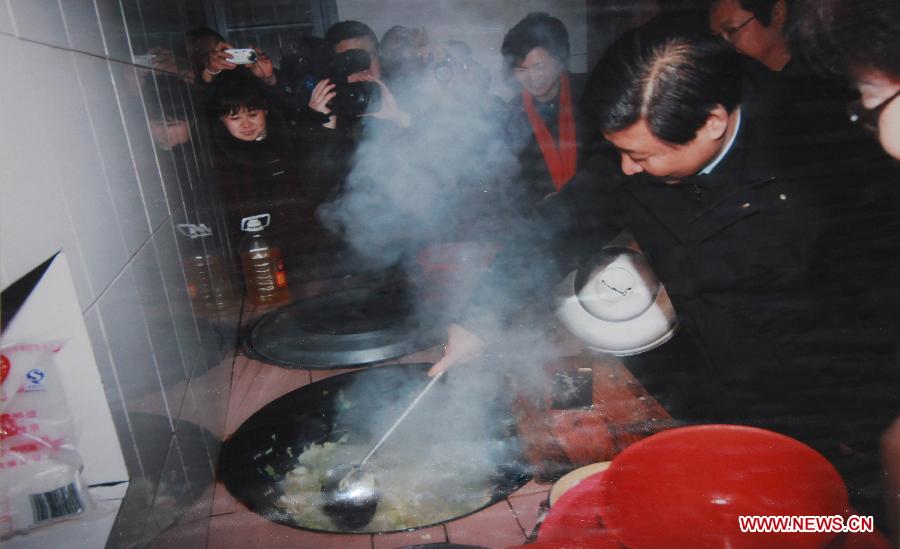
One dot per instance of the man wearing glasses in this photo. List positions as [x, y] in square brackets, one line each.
[756, 28]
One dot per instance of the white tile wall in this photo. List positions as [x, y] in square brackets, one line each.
[171, 267]
[115, 37]
[34, 220]
[127, 333]
[69, 146]
[165, 158]
[6, 21]
[80, 172]
[158, 315]
[83, 26]
[117, 162]
[103, 356]
[134, 114]
[136, 35]
[40, 21]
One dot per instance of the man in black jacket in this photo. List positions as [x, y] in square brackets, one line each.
[733, 232]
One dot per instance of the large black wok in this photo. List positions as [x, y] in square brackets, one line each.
[255, 460]
[348, 327]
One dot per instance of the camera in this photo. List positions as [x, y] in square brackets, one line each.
[242, 56]
[311, 61]
[355, 99]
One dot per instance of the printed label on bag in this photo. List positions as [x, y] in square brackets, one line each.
[35, 379]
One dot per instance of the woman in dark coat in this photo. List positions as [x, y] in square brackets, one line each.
[542, 122]
[259, 169]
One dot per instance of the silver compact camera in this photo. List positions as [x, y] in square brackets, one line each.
[242, 56]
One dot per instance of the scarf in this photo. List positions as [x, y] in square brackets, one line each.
[561, 160]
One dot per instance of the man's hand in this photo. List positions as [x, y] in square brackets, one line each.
[462, 345]
[263, 68]
[321, 95]
[389, 108]
[217, 60]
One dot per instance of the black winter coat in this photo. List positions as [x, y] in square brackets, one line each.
[534, 176]
[741, 253]
[267, 176]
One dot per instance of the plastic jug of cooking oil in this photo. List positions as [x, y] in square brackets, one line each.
[264, 274]
[207, 287]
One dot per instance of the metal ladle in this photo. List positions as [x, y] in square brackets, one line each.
[350, 494]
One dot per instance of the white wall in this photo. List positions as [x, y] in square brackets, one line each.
[80, 172]
[480, 23]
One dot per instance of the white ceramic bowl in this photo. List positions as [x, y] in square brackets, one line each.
[616, 304]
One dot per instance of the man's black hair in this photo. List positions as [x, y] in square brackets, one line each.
[849, 35]
[537, 30]
[762, 9]
[345, 30]
[673, 81]
[236, 93]
[199, 33]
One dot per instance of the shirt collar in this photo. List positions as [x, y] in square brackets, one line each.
[712, 165]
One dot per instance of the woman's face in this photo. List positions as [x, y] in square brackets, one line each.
[246, 124]
[877, 89]
[539, 74]
[766, 44]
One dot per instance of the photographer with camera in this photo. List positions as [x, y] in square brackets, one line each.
[342, 77]
[352, 87]
[211, 54]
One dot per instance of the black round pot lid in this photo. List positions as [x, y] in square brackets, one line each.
[255, 460]
[350, 327]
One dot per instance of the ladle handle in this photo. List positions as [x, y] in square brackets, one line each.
[402, 416]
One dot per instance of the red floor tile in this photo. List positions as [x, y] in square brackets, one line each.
[256, 384]
[248, 530]
[526, 509]
[417, 537]
[494, 527]
[318, 375]
[532, 487]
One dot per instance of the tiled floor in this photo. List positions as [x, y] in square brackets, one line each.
[254, 385]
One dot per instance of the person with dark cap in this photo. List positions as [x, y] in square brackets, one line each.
[543, 122]
[732, 233]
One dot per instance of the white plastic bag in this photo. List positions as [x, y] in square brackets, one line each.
[40, 479]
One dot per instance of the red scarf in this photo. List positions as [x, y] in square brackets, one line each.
[561, 160]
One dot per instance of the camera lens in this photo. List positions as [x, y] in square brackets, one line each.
[443, 72]
[252, 57]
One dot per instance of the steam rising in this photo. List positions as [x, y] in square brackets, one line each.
[450, 177]
[439, 180]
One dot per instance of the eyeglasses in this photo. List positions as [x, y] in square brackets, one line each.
[728, 33]
[868, 118]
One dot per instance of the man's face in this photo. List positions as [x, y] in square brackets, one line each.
[539, 74]
[246, 124]
[747, 34]
[642, 152]
[876, 89]
[361, 43]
